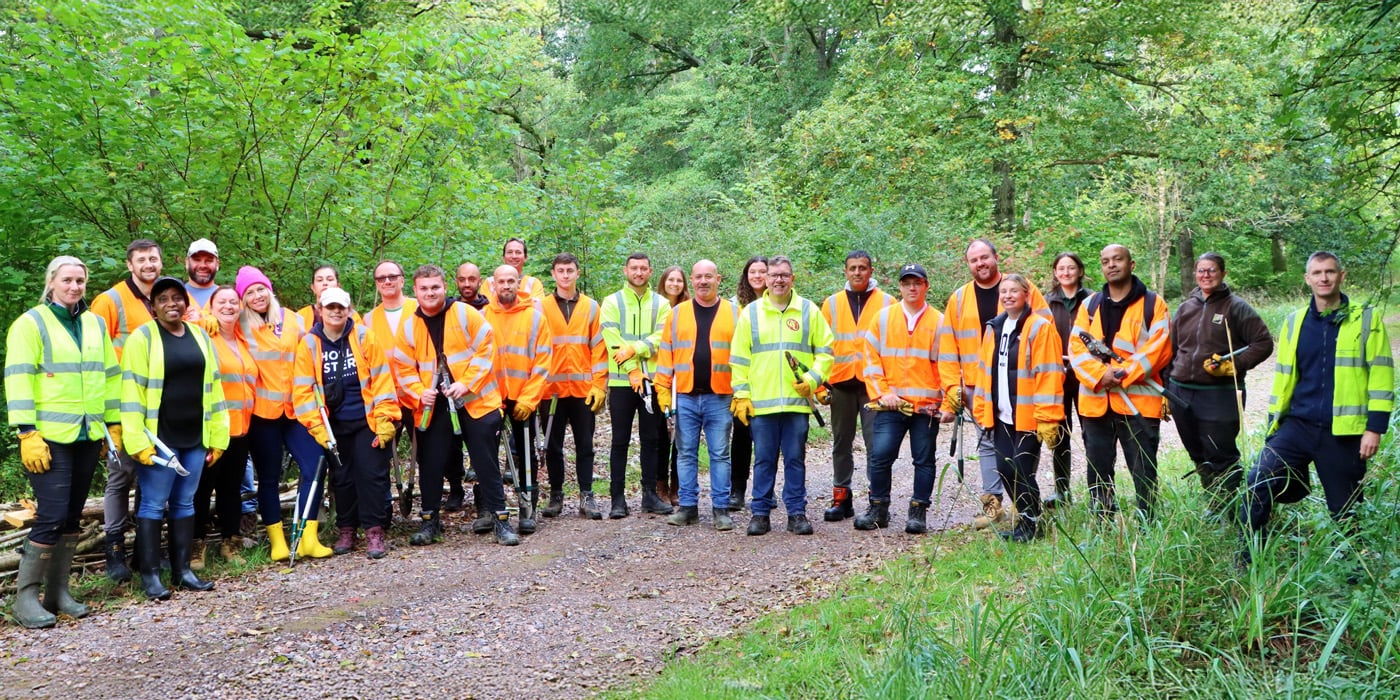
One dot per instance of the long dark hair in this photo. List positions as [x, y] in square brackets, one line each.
[1054, 283]
[661, 285]
[747, 294]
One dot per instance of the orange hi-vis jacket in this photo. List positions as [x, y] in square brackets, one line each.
[274, 347]
[376, 324]
[962, 334]
[123, 311]
[847, 330]
[1143, 348]
[1038, 396]
[469, 349]
[902, 361]
[675, 361]
[239, 374]
[372, 366]
[522, 351]
[578, 359]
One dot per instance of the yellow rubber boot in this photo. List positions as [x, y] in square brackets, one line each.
[279, 543]
[310, 545]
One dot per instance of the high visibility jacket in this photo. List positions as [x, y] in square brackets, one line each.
[1037, 394]
[307, 314]
[64, 388]
[761, 372]
[469, 349]
[847, 330]
[372, 366]
[962, 334]
[377, 325]
[1143, 347]
[274, 347]
[898, 360]
[239, 374]
[637, 321]
[676, 360]
[143, 383]
[578, 359]
[522, 351]
[123, 311]
[1363, 374]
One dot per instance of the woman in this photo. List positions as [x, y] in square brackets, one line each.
[343, 388]
[672, 285]
[238, 374]
[322, 278]
[1016, 395]
[1207, 331]
[62, 383]
[1064, 300]
[171, 395]
[753, 282]
[272, 334]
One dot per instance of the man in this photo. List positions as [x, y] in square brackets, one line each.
[1332, 396]
[849, 312]
[774, 402]
[522, 365]
[382, 325]
[901, 372]
[202, 264]
[125, 307]
[694, 361]
[632, 321]
[515, 254]
[469, 286]
[442, 362]
[1120, 390]
[468, 291]
[969, 308]
[577, 384]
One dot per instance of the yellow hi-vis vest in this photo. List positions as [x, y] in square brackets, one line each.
[760, 370]
[143, 382]
[63, 389]
[1363, 376]
[636, 321]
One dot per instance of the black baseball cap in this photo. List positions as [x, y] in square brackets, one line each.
[167, 282]
[913, 270]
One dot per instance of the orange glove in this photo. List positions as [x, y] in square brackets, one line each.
[635, 379]
[624, 353]
[115, 430]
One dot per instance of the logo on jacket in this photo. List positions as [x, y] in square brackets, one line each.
[1217, 319]
[792, 324]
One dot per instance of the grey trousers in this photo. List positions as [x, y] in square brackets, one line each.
[987, 461]
[846, 406]
[116, 500]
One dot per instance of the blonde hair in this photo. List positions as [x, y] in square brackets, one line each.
[52, 273]
[1019, 279]
[251, 320]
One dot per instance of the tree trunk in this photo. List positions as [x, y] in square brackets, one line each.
[1186, 258]
[1008, 80]
[1280, 261]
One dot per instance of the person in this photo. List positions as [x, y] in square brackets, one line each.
[1064, 298]
[849, 313]
[900, 369]
[753, 282]
[1214, 323]
[576, 386]
[171, 397]
[515, 253]
[671, 285]
[1120, 397]
[522, 342]
[1332, 396]
[969, 308]
[1016, 397]
[322, 278]
[273, 333]
[62, 384]
[443, 362]
[632, 321]
[767, 395]
[344, 389]
[382, 324]
[201, 264]
[124, 308]
[693, 367]
[469, 286]
[238, 374]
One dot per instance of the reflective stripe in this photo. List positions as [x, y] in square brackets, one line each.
[796, 402]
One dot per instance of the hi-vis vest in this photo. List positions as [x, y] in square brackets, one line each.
[637, 321]
[847, 330]
[578, 360]
[897, 360]
[962, 334]
[123, 311]
[522, 351]
[377, 324]
[275, 355]
[1363, 373]
[372, 367]
[1143, 347]
[676, 361]
[1040, 376]
[468, 347]
[143, 382]
[239, 375]
[65, 390]
[761, 372]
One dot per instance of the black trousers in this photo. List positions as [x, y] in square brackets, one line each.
[1018, 452]
[224, 480]
[625, 405]
[1060, 455]
[570, 412]
[1282, 473]
[60, 492]
[437, 447]
[1208, 421]
[741, 460]
[1138, 437]
[360, 484]
[522, 452]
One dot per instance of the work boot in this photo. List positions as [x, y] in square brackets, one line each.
[619, 508]
[345, 543]
[429, 530]
[685, 515]
[556, 503]
[374, 542]
[1024, 532]
[456, 500]
[723, 522]
[841, 506]
[652, 503]
[876, 515]
[991, 511]
[57, 599]
[737, 495]
[485, 522]
[117, 570]
[504, 535]
[1055, 500]
[917, 521]
[469, 474]
[181, 547]
[148, 558]
[527, 515]
[309, 546]
[588, 506]
[798, 524]
[197, 556]
[34, 562]
[231, 549]
[277, 538]
[759, 525]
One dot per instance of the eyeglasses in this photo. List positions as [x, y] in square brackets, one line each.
[1208, 272]
[388, 278]
[780, 275]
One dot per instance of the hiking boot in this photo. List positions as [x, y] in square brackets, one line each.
[841, 507]
[876, 515]
[345, 543]
[181, 547]
[231, 549]
[57, 599]
[619, 508]
[759, 525]
[556, 504]
[916, 523]
[663, 491]
[504, 535]
[1024, 532]
[527, 516]
[685, 515]
[115, 547]
[588, 507]
[736, 496]
[34, 562]
[798, 524]
[197, 556]
[991, 512]
[374, 542]
[652, 503]
[469, 474]
[723, 522]
[429, 530]
[485, 522]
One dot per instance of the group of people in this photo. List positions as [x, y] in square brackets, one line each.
[183, 382]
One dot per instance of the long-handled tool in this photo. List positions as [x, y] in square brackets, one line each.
[799, 369]
[1103, 353]
[332, 455]
[164, 456]
[444, 380]
[522, 491]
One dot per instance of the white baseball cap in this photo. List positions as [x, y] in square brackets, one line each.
[335, 295]
[203, 245]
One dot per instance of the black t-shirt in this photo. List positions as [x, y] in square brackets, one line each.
[182, 400]
[987, 301]
[704, 319]
[340, 377]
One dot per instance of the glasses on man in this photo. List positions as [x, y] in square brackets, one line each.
[388, 278]
[780, 275]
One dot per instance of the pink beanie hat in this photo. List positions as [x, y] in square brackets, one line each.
[247, 277]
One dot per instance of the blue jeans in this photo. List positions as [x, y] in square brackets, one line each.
[775, 433]
[161, 485]
[266, 437]
[248, 487]
[889, 431]
[710, 413]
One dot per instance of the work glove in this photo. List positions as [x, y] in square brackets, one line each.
[115, 430]
[904, 407]
[823, 395]
[208, 323]
[1217, 367]
[213, 455]
[1167, 412]
[1049, 433]
[323, 438]
[663, 398]
[952, 402]
[34, 452]
[384, 432]
[742, 409]
[521, 412]
[805, 387]
[635, 379]
[623, 353]
[146, 456]
[595, 400]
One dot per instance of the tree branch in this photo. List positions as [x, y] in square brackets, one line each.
[1111, 155]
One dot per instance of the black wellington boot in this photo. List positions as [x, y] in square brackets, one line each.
[148, 558]
[181, 547]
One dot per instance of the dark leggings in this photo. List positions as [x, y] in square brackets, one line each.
[1060, 456]
[60, 492]
[741, 458]
[266, 437]
[1017, 454]
[224, 479]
